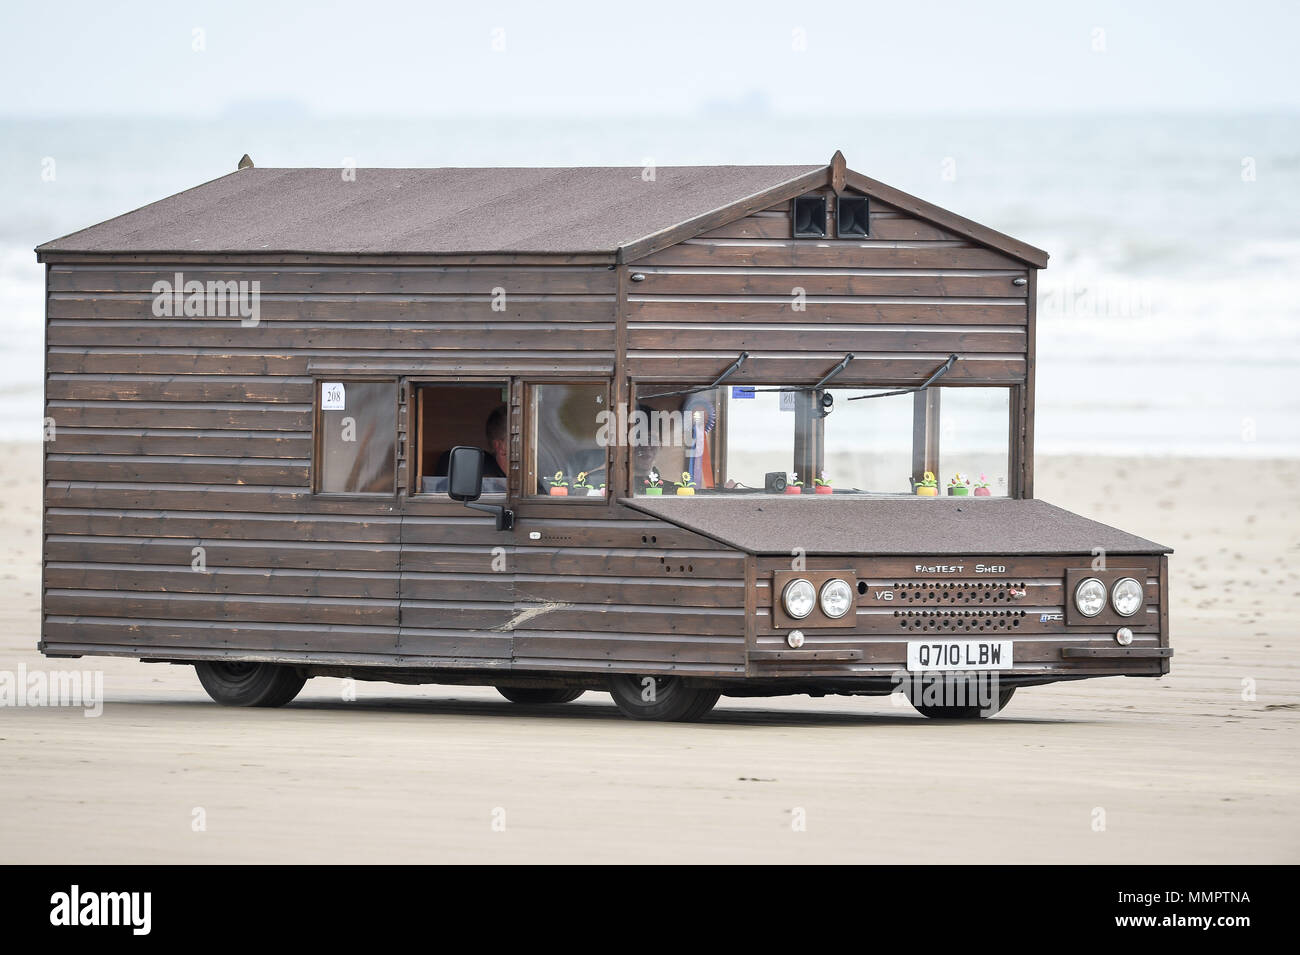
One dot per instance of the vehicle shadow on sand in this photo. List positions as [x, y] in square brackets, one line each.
[594, 708]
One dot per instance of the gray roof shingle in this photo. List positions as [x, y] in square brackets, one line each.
[427, 211]
[847, 524]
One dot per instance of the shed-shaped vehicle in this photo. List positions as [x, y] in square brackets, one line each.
[670, 433]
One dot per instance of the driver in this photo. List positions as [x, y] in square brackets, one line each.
[497, 450]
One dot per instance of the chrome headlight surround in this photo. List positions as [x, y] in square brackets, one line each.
[1133, 595]
[836, 592]
[798, 598]
[1096, 595]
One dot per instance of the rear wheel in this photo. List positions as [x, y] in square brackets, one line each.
[660, 698]
[538, 695]
[936, 712]
[250, 684]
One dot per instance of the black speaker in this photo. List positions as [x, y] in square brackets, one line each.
[809, 217]
[774, 482]
[852, 217]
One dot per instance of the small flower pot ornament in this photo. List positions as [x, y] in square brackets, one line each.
[959, 486]
[982, 487]
[822, 485]
[654, 484]
[928, 486]
[581, 486]
[685, 486]
[559, 486]
[795, 486]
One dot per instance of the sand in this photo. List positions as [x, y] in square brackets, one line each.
[1188, 768]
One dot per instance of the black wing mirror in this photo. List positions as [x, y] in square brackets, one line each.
[465, 484]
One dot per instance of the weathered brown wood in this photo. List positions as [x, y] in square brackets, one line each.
[368, 310]
[866, 370]
[756, 338]
[143, 441]
[863, 254]
[178, 361]
[183, 388]
[394, 283]
[243, 417]
[881, 286]
[1026, 455]
[430, 337]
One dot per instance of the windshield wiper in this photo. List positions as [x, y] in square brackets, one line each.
[844, 363]
[938, 373]
[735, 367]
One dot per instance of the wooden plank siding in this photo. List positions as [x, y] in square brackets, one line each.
[178, 433]
[902, 300]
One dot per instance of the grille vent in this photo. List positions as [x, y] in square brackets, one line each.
[959, 621]
[971, 592]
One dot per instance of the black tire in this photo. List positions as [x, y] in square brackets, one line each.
[250, 684]
[538, 695]
[964, 712]
[673, 700]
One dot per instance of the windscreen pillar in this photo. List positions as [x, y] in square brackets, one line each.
[925, 434]
[809, 436]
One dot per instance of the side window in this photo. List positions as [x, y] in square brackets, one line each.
[356, 437]
[448, 415]
[566, 456]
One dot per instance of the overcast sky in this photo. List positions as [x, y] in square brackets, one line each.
[486, 58]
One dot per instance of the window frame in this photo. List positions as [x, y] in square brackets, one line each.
[1016, 419]
[316, 435]
[528, 463]
[413, 436]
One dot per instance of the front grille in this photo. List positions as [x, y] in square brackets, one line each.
[958, 591]
[955, 621]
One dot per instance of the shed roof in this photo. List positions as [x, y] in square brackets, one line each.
[600, 210]
[848, 524]
[438, 211]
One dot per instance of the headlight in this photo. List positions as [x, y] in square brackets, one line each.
[1090, 597]
[837, 598]
[1126, 596]
[798, 598]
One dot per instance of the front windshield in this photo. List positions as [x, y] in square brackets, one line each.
[762, 439]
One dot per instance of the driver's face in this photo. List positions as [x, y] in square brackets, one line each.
[501, 451]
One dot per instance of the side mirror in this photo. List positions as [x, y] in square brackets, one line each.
[465, 484]
[465, 474]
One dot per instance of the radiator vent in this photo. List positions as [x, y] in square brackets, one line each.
[973, 592]
[959, 621]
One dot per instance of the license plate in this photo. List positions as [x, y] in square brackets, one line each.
[959, 654]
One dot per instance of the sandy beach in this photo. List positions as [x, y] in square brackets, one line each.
[1200, 766]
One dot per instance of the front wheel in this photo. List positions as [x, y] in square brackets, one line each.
[660, 698]
[538, 695]
[250, 684]
[939, 712]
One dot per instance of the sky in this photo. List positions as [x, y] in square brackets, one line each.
[388, 57]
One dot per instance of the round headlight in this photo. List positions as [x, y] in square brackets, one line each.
[837, 598]
[798, 598]
[1126, 596]
[1090, 597]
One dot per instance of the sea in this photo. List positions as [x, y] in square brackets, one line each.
[1169, 315]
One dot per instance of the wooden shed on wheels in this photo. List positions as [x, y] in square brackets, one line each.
[271, 398]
